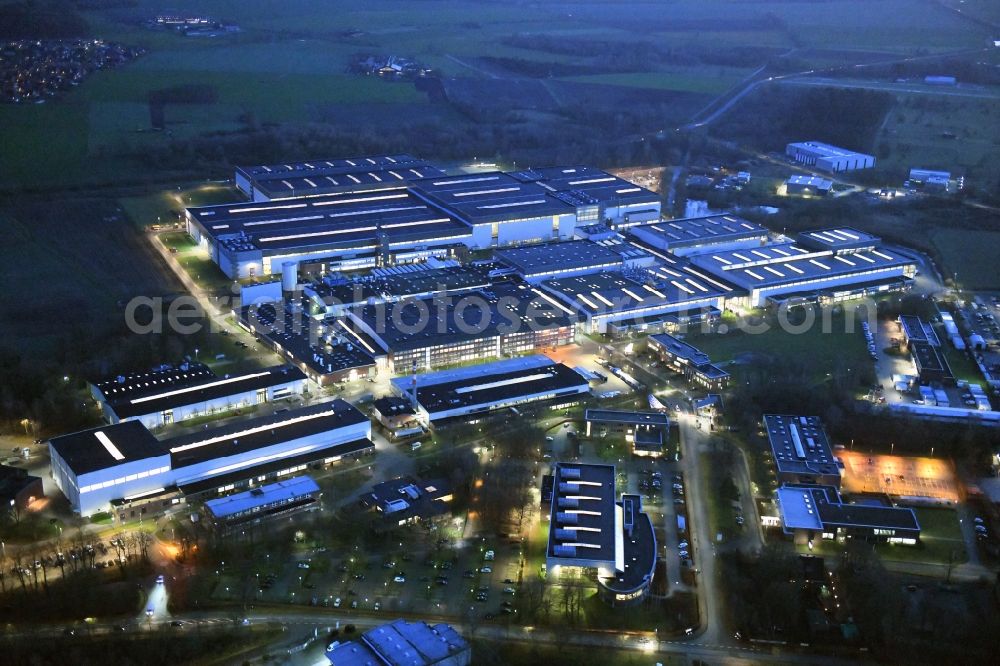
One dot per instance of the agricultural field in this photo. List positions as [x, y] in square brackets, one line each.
[287, 68]
[971, 254]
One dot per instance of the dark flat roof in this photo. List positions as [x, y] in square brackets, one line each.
[402, 281]
[207, 388]
[299, 336]
[590, 498]
[346, 221]
[504, 305]
[491, 197]
[586, 185]
[928, 357]
[829, 510]
[317, 176]
[490, 387]
[640, 548]
[679, 348]
[256, 433]
[800, 445]
[568, 255]
[125, 386]
[100, 448]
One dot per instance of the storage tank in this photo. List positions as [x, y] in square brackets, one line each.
[289, 275]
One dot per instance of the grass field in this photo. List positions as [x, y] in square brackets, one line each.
[970, 254]
[698, 80]
[821, 351]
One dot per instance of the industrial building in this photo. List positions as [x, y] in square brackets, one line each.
[588, 529]
[394, 412]
[422, 334]
[818, 512]
[318, 177]
[688, 360]
[801, 450]
[500, 210]
[402, 643]
[783, 271]
[931, 363]
[647, 432]
[808, 186]
[639, 297]
[347, 231]
[535, 263]
[268, 502]
[172, 394]
[326, 352]
[124, 466]
[696, 235]
[486, 388]
[825, 157]
[597, 195]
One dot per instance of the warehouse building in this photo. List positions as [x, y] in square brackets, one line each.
[268, 502]
[638, 298]
[839, 240]
[825, 157]
[345, 231]
[696, 235]
[688, 360]
[596, 195]
[647, 432]
[124, 466]
[499, 209]
[773, 273]
[819, 512]
[422, 334]
[402, 643]
[588, 529]
[931, 363]
[808, 186]
[175, 394]
[481, 389]
[342, 175]
[801, 450]
[937, 181]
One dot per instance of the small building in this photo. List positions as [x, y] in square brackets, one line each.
[930, 180]
[812, 186]
[801, 450]
[825, 157]
[932, 366]
[406, 500]
[688, 360]
[809, 512]
[404, 643]
[647, 432]
[395, 413]
[252, 507]
[18, 489]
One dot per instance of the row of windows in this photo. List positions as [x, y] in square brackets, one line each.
[124, 479]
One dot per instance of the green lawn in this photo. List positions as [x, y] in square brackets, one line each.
[822, 349]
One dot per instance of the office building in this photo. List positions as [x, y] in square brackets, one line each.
[647, 432]
[406, 500]
[688, 360]
[247, 509]
[588, 529]
[819, 512]
[801, 450]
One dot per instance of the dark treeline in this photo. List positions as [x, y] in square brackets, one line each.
[773, 116]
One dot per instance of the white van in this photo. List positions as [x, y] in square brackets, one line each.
[415, 446]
